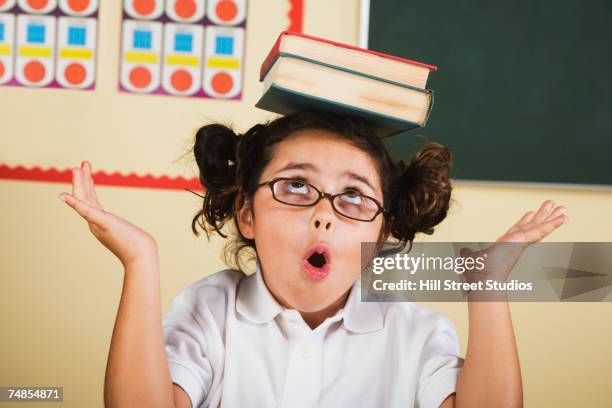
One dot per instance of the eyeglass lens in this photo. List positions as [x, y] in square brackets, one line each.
[351, 204]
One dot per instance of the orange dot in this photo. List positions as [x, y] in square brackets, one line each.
[140, 77]
[75, 73]
[78, 5]
[37, 4]
[34, 71]
[1, 64]
[181, 80]
[2, 2]
[226, 10]
[185, 8]
[222, 83]
[144, 7]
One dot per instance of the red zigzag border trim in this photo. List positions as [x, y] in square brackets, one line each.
[101, 178]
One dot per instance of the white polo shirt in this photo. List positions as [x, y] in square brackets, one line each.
[230, 343]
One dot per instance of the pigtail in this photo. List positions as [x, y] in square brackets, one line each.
[422, 192]
[215, 153]
[250, 157]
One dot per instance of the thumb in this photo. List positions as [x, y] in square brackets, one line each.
[91, 214]
[465, 252]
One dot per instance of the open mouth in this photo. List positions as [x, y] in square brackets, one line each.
[316, 263]
[317, 260]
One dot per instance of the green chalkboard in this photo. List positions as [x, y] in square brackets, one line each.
[524, 88]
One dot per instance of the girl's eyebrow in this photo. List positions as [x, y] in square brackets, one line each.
[298, 166]
[308, 166]
[357, 177]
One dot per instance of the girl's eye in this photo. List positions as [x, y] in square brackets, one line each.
[352, 198]
[296, 187]
[294, 192]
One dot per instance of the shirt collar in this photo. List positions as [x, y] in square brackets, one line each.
[255, 302]
[362, 317]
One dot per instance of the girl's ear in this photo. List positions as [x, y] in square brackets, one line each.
[245, 219]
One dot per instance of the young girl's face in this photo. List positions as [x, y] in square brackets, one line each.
[286, 235]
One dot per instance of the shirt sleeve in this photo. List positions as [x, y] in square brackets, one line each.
[441, 365]
[186, 349]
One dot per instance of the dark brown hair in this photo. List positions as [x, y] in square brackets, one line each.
[417, 194]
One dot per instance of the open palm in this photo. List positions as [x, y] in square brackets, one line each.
[536, 225]
[127, 241]
[506, 251]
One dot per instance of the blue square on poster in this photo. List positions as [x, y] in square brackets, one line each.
[224, 45]
[1, 31]
[142, 39]
[36, 33]
[183, 42]
[77, 36]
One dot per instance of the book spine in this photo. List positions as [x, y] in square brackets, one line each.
[271, 57]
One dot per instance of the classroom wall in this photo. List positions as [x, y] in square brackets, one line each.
[60, 288]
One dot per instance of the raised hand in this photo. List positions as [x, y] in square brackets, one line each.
[503, 255]
[534, 226]
[127, 241]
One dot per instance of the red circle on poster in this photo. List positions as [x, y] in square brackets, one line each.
[185, 8]
[140, 77]
[2, 2]
[78, 5]
[75, 73]
[37, 4]
[34, 71]
[1, 64]
[222, 82]
[226, 10]
[181, 80]
[144, 7]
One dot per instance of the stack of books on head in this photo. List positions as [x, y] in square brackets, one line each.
[305, 72]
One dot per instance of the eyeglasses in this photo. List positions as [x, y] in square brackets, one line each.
[349, 204]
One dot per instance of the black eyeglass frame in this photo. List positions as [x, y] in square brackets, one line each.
[322, 195]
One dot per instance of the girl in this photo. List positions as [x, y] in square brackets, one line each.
[301, 194]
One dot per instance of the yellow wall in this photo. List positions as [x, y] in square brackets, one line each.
[60, 288]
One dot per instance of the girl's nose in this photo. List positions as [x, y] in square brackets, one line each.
[324, 216]
[318, 224]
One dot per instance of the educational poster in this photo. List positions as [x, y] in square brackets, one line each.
[183, 47]
[48, 43]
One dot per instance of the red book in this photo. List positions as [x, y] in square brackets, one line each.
[348, 57]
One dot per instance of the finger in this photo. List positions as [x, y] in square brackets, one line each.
[559, 210]
[91, 189]
[86, 167]
[77, 183]
[81, 188]
[86, 174]
[525, 219]
[542, 230]
[91, 214]
[543, 211]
